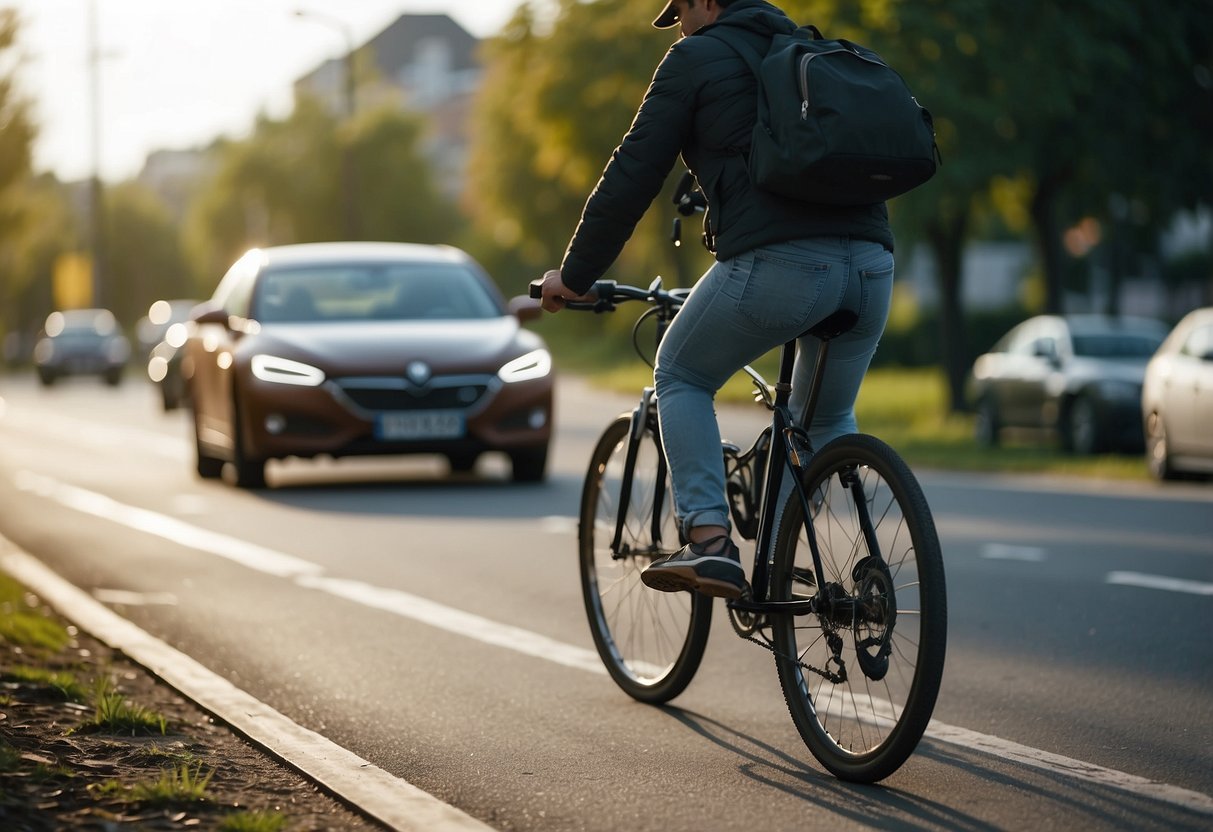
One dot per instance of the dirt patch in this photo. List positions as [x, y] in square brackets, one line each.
[57, 772]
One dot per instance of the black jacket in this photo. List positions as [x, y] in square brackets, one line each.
[702, 104]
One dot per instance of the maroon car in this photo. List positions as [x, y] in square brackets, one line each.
[343, 349]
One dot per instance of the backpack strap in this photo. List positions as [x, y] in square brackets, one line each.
[752, 59]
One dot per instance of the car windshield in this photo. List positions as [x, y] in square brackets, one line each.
[372, 292]
[1116, 345]
[81, 324]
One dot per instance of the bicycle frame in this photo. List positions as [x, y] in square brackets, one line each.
[786, 434]
[790, 445]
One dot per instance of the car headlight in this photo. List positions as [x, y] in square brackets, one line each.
[1118, 391]
[284, 371]
[536, 364]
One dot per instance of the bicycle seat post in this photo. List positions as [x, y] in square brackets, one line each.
[781, 419]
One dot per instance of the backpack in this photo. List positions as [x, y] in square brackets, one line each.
[836, 124]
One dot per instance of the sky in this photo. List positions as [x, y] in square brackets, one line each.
[175, 74]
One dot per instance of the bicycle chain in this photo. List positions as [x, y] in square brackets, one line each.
[829, 676]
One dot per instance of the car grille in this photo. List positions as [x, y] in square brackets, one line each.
[400, 394]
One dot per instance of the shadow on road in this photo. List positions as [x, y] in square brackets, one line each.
[876, 806]
[419, 489]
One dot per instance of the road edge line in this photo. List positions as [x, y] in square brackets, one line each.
[367, 788]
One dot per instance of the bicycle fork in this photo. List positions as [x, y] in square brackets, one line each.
[643, 416]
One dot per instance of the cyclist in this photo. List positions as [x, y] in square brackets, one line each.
[781, 267]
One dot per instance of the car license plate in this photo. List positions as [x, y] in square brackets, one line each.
[422, 424]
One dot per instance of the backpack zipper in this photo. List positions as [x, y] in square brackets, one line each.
[804, 74]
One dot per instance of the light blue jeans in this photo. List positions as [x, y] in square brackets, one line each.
[741, 309]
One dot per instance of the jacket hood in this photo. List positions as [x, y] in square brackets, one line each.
[755, 16]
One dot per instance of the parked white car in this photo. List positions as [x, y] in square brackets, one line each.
[1177, 400]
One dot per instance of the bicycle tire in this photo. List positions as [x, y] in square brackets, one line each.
[650, 642]
[864, 728]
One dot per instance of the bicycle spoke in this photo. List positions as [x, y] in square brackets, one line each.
[651, 642]
[864, 678]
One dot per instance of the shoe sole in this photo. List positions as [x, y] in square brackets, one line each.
[675, 579]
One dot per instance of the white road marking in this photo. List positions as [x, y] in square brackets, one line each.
[1003, 551]
[93, 434]
[1160, 582]
[134, 599]
[1107, 777]
[466, 624]
[194, 537]
[555, 524]
[456, 621]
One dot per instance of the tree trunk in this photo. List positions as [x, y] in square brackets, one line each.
[1048, 240]
[947, 236]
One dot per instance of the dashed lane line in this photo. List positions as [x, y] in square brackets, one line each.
[469, 625]
[1140, 579]
[1004, 551]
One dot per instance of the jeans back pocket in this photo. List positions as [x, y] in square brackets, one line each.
[780, 294]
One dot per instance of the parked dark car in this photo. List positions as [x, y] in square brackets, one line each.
[343, 349]
[164, 366]
[1177, 400]
[152, 328]
[1078, 376]
[77, 342]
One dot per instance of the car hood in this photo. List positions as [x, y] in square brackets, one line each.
[387, 347]
[1110, 369]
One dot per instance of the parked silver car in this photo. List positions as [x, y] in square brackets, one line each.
[1177, 400]
[1078, 376]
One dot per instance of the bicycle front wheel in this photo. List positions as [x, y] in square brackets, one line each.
[861, 675]
[651, 642]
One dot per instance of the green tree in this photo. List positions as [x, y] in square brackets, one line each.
[17, 133]
[284, 185]
[145, 256]
[555, 102]
[46, 230]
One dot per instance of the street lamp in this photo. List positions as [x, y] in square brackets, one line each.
[348, 35]
[96, 197]
[349, 197]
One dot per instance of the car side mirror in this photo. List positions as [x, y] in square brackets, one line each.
[208, 314]
[524, 308]
[1048, 351]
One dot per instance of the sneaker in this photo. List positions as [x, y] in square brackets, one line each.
[718, 574]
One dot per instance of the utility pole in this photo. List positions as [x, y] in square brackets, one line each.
[349, 195]
[96, 197]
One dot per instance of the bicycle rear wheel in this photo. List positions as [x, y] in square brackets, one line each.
[884, 624]
[651, 642]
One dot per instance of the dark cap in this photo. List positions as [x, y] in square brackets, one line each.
[668, 17]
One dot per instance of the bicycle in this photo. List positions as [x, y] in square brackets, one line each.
[849, 597]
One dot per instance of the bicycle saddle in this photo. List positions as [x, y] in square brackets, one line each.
[842, 319]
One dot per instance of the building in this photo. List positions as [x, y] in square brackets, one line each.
[426, 63]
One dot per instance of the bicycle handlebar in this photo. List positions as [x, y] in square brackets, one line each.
[608, 293]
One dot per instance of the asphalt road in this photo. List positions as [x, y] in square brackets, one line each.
[434, 626]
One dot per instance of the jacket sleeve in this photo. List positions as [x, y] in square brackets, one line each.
[635, 172]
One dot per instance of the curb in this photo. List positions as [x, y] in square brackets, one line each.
[368, 789]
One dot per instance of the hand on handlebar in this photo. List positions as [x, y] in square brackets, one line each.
[554, 294]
